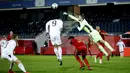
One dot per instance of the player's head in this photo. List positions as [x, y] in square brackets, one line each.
[11, 32]
[71, 37]
[97, 28]
[15, 37]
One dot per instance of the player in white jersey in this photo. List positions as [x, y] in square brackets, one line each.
[8, 54]
[3, 43]
[54, 28]
[94, 34]
[121, 48]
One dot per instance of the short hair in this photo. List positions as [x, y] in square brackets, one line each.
[14, 36]
[71, 37]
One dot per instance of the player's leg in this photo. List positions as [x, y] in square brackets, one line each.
[10, 59]
[96, 57]
[108, 46]
[19, 63]
[60, 54]
[100, 60]
[56, 52]
[53, 41]
[76, 54]
[84, 52]
[102, 49]
[11, 66]
[95, 36]
[58, 42]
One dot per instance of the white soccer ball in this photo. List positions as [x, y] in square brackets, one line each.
[54, 5]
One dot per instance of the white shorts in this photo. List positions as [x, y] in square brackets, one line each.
[11, 58]
[121, 49]
[55, 40]
[95, 36]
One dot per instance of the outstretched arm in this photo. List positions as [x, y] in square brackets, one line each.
[71, 16]
[47, 26]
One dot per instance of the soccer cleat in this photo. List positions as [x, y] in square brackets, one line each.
[89, 68]
[108, 57]
[82, 66]
[61, 63]
[113, 52]
[27, 72]
[10, 71]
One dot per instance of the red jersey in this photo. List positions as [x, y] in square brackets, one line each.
[102, 35]
[9, 37]
[78, 44]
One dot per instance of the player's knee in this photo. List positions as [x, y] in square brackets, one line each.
[17, 61]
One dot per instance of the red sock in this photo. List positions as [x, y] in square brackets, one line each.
[78, 59]
[101, 54]
[98, 55]
[86, 62]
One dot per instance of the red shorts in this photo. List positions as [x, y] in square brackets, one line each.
[82, 50]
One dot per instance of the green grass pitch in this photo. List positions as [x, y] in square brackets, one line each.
[49, 64]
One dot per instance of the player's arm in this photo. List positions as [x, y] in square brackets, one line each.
[117, 44]
[72, 17]
[124, 44]
[61, 26]
[47, 26]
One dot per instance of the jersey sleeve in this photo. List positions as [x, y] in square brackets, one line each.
[11, 45]
[47, 26]
[73, 17]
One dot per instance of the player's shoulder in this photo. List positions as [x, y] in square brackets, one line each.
[11, 41]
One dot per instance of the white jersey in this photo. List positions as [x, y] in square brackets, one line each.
[120, 44]
[9, 48]
[3, 44]
[54, 27]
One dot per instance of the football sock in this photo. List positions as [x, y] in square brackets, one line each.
[56, 52]
[108, 46]
[97, 56]
[100, 61]
[11, 65]
[79, 60]
[101, 54]
[20, 65]
[60, 53]
[102, 49]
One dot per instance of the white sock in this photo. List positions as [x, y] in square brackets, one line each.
[95, 59]
[121, 54]
[11, 65]
[102, 49]
[108, 46]
[100, 61]
[20, 65]
[56, 52]
[60, 53]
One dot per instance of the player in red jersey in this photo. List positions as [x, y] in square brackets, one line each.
[103, 34]
[10, 35]
[80, 49]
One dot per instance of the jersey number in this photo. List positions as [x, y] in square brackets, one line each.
[54, 23]
[6, 45]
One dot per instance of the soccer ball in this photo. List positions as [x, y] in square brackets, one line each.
[54, 5]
